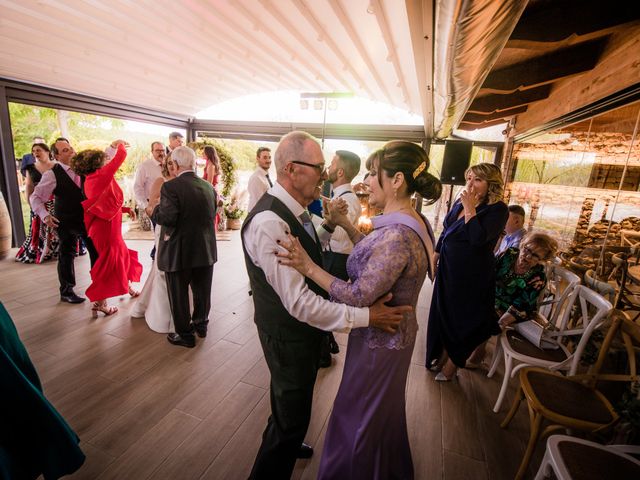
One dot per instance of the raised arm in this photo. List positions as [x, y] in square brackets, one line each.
[482, 228]
[118, 159]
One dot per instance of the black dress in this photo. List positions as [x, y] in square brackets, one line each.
[462, 314]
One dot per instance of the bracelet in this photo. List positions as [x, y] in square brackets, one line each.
[328, 228]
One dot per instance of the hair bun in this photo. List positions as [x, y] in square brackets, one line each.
[428, 187]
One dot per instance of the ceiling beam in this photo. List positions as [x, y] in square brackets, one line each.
[483, 118]
[547, 68]
[499, 102]
[556, 20]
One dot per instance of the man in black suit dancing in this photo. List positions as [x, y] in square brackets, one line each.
[67, 189]
[187, 246]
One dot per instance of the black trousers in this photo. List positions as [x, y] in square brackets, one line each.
[293, 366]
[178, 283]
[69, 235]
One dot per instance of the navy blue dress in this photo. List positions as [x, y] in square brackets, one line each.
[462, 314]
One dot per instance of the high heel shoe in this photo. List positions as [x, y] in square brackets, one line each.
[102, 307]
[441, 377]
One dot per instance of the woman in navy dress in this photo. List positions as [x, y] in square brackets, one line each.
[462, 314]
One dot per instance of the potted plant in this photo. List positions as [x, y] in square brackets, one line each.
[233, 212]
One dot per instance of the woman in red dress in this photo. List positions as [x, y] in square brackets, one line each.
[212, 173]
[116, 265]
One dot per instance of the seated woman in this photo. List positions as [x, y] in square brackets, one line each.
[153, 302]
[520, 278]
[116, 266]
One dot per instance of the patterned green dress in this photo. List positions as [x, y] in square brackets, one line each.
[517, 294]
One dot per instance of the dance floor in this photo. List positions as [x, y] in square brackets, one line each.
[145, 409]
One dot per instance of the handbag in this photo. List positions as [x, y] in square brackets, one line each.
[535, 333]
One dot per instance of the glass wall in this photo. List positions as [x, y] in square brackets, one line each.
[580, 184]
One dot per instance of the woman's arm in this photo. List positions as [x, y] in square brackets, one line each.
[391, 255]
[482, 228]
[154, 195]
[112, 167]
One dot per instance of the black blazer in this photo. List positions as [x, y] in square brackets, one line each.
[186, 213]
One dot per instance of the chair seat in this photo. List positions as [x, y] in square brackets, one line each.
[587, 462]
[567, 398]
[522, 346]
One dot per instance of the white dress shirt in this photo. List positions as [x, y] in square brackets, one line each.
[303, 304]
[340, 242]
[146, 174]
[258, 185]
[43, 191]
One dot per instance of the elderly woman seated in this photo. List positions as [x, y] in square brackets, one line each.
[520, 278]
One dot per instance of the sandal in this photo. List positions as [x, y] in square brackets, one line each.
[133, 293]
[102, 307]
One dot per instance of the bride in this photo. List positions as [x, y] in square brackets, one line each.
[153, 302]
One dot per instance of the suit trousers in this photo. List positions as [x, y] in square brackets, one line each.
[293, 366]
[69, 236]
[178, 283]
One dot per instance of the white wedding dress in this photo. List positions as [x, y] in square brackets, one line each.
[153, 302]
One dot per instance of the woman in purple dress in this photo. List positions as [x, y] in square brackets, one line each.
[367, 433]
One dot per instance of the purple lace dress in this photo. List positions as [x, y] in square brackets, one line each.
[367, 432]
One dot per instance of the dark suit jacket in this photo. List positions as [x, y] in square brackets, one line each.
[186, 213]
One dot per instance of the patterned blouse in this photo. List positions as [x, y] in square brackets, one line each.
[517, 294]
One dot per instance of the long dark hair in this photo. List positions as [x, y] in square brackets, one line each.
[211, 154]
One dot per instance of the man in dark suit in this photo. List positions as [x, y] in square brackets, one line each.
[290, 311]
[187, 246]
[66, 187]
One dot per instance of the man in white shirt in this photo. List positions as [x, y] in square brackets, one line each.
[342, 170]
[147, 173]
[291, 312]
[259, 182]
[514, 229]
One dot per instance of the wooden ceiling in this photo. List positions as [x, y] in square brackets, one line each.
[559, 58]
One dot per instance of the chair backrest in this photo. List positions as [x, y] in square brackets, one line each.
[588, 310]
[603, 288]
[629, 331]
[560, 284]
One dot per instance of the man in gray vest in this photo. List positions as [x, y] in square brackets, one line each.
[291, 312]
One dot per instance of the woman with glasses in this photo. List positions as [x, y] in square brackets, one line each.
[367, 432]
[520, 277]
[462, 315]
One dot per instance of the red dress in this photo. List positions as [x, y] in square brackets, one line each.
[116, 264]
[214, 182]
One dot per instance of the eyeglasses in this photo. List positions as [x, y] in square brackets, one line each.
[530, 253]
[320, 167]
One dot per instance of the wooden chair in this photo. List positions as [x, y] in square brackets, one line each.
[574, 458]
[574, 402]
[551, 305]
[592, 311]
[628, 290]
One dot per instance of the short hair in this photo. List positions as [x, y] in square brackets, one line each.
[413, 162]
[517, 210]
[54, 149]
[87, 161]
[350, 163]
[173, 135]
[43, 146]
[542, 240]
[262, 149]
[156, 143]
[184, 157]
[291, 147]
[493, 176]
